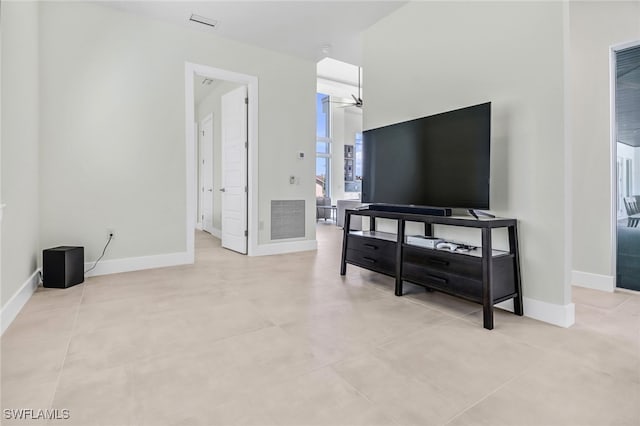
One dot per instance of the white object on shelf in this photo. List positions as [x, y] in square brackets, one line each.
[446, 246]
[422, 241]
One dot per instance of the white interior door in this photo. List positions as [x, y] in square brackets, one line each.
[206, 173]
[234, 170]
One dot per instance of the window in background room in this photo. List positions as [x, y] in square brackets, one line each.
[353, 162]
[323, 146]
[625, 180]
[358, 154]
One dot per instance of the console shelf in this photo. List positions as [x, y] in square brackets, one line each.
[484, 275]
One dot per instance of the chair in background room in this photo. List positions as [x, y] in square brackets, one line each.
[633, 211]
[323, 208]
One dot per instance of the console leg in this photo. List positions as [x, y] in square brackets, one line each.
[399, 242]
[345, 235]
[517, 278]
[487, 279]
[398, 291]
[487, 317]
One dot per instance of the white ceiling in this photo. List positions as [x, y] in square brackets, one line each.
[201, 89]
[339, 71]
[299, 28]
[339, 79]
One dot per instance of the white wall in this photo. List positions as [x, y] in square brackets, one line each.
[211, 104]
[19, 152]
[430, 57]
[594, 28]
[113, 127]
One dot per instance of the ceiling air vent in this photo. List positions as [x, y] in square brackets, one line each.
[203, 20]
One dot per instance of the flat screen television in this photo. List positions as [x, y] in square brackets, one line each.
[438, 161]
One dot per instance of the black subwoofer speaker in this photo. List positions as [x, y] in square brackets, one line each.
[62, 266]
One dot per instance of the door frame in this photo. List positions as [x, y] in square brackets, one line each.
[614, 155]
[191, 69]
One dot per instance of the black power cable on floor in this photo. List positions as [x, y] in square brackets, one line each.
[102, 255]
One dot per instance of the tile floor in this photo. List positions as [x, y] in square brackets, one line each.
[285, 340]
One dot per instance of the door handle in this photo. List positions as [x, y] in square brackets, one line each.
[210, 189]
[222, 190]
[437, 279]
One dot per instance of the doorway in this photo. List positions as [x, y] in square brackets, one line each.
[339, 108]
[207, 166]
[207, 182]
[625, 62]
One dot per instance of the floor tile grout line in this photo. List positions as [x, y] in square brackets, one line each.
[616, 310]
[558, 352]
[394, 339]
[627, 297]
[494, 391]
[357, 391]
[66, 353]
[415, 302]
[417, 380]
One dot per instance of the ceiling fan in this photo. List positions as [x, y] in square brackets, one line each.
[357, 101]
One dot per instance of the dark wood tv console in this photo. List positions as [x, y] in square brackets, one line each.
[484, 275]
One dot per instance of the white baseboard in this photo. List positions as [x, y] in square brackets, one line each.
[11, 309]
[114, 266]
[561, 315]
[594, 281]
[284, 247]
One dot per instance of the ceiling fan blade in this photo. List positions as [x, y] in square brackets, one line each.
[357, 102]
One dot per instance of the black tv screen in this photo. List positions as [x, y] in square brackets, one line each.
[441, 160]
